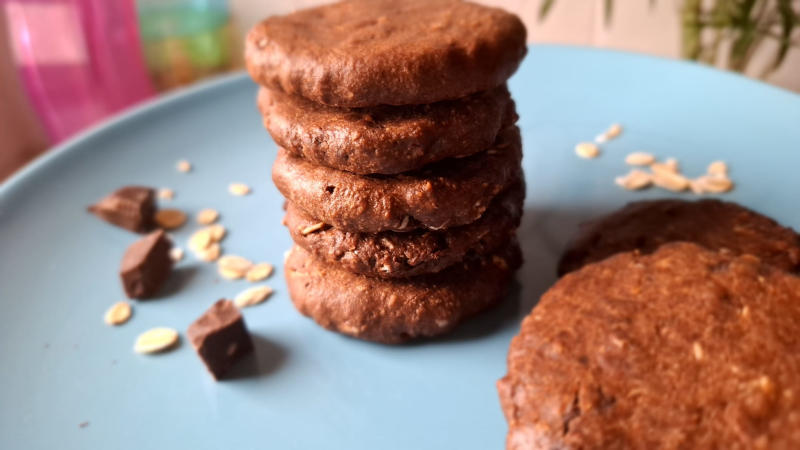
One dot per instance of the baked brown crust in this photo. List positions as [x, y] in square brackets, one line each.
[386, 139]
[714, 224]
[397, 255]
[449, 193]
[374, 52]
[392, 311]
[682, 348]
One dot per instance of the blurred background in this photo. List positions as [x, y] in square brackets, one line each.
[67, 64]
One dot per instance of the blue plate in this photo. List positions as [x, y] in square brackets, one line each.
[68, 381]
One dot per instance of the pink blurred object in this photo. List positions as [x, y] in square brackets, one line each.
[78, 60]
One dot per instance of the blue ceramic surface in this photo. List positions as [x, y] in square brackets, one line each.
[61, 367]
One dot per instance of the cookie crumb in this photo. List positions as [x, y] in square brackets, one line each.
[118, 313]
[238, 189]
[587, 150]
[184, 166]
[83, 424]
[169, 219]
[156, 340]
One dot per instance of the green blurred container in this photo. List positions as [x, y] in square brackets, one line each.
[184, 40]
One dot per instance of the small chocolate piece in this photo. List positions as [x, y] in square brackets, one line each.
[220, 337]
[130, 207]
[146, 265]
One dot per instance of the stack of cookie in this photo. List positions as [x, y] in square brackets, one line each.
[399, 157]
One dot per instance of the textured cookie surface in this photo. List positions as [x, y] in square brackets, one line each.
[393, 255]
[374, 52]
[449, 193]
[682, 348]
[385, 139]
[714, 224]
[395, 310]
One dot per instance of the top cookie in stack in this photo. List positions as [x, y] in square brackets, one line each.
[399, 156]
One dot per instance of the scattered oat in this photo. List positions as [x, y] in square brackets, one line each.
[207, 216]
[184, 166]
[674, 182]
[698, 351]
[499, 262]
[587, 150]
[404, 222]
[639, 159]
[252, 296]
[166, 194]
[233, 267]
[217, 232]
[718, 168]
[170, 219]
[635, 179]
[200, 240]
[668, 168]
[258, 272]
[176, 254]
[312, 228]
[118, 314]
[238, 189]
[156, 340]
[441, 323]
[210, 253]
[613, 131]
[715, 184]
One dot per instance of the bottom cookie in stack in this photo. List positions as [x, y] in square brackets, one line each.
[392, 311]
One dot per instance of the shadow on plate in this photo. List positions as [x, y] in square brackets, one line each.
[543, 235]
[267, 357]
[177, 281]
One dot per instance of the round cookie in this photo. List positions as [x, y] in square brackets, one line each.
[397, 310]
[386, 139]
[450, 193]
[397, 255]
[714, 224]
[374, 52]
[682, 348]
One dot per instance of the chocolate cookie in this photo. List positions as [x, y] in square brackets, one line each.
[449, 193]
[396, 255]
[374, 52]
[396, 310]
[682, 348]
[711, 223]
[386, 139]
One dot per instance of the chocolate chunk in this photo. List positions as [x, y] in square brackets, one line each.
[220, 337]
[130, 207]
[146, 265]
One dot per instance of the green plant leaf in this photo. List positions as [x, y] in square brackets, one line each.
[544, 8]
[788, 21]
